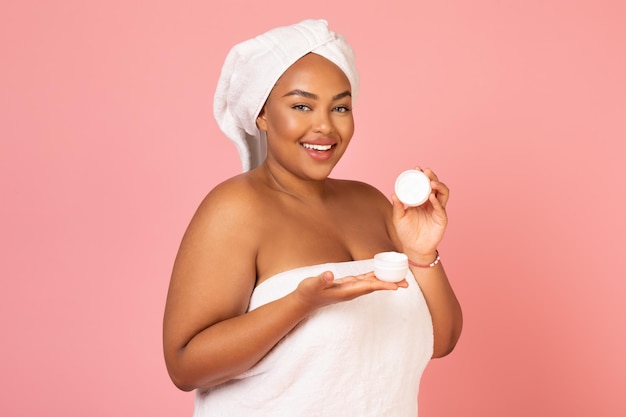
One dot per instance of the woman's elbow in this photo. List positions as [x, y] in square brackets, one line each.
[179, 378]
[182, 384]
[445, 344]
[443, 350]
[186, 375]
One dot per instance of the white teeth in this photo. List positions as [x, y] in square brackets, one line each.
[317, 147]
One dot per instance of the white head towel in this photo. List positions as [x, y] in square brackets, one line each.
[252, 68]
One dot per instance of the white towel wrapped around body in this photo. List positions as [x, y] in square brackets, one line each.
[251, 70]
[363, 357]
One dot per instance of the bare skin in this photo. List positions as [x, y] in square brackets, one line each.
[285, 214]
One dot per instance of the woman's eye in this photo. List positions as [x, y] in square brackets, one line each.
[342, 109]
[301, 107]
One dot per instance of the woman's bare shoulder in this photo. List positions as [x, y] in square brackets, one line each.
[234, 197]
[228, 209]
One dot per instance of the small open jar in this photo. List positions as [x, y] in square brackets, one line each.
[412, 187]
[391, 266]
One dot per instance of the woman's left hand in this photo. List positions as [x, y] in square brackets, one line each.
[421, 228]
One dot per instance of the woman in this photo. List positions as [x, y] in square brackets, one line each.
[272, 307]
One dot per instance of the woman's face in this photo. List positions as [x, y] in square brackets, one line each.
[308, 118]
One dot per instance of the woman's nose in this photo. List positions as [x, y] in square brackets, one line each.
[322, 123]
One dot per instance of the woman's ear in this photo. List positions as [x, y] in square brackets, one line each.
[261, 122]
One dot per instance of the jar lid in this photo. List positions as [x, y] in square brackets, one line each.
[391, 259]
[412, 187]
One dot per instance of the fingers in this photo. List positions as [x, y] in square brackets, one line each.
[324, 280]
[323, 289]
[398, 208]
[326, 277]
[347, 288]
[441, 191]
[366, 282]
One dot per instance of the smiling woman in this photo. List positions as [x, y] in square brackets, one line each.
[308, 112]
[273, 306]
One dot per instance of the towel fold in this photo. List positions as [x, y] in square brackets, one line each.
[252, 68]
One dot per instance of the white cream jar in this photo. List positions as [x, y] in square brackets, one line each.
[391, 266]
[412, 187]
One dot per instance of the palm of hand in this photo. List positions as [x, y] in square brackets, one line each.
[422, 227]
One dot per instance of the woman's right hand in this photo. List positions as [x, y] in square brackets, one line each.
[322, 290]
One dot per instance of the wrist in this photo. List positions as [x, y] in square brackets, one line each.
[427, 260]
[300, 305]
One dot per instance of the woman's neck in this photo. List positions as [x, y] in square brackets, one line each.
[305, 190]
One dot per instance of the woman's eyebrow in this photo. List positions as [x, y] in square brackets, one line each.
[342, 95]
[302, 93]
[298, 92]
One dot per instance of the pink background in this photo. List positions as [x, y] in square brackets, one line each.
[107, 145]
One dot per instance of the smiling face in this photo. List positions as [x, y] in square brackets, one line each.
[308, 118]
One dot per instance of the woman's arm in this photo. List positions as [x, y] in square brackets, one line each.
[444, 307]
[418, 231]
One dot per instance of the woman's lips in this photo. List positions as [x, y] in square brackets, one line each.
[319, 152]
